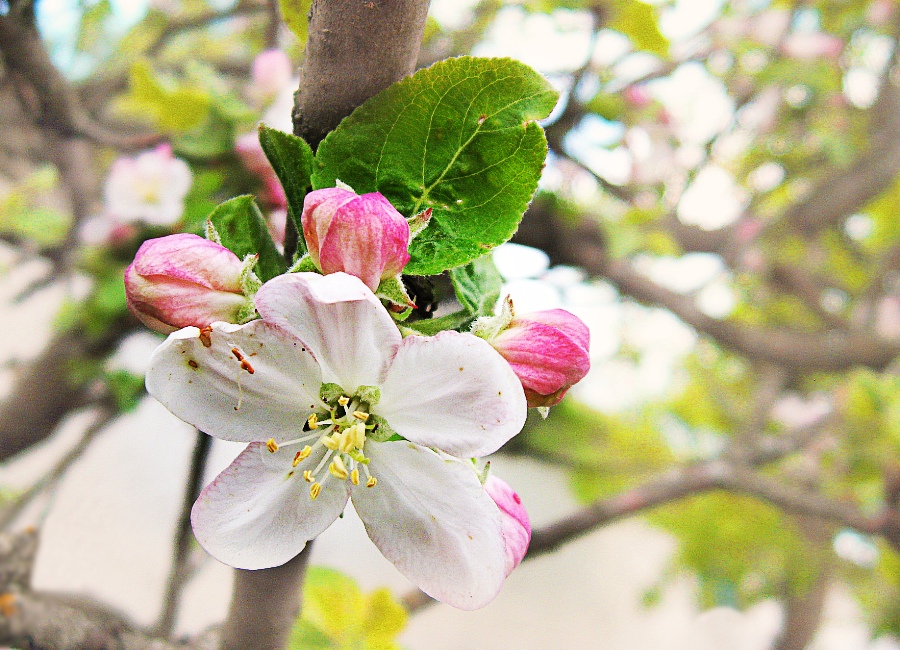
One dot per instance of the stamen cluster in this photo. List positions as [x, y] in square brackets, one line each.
[343, 436]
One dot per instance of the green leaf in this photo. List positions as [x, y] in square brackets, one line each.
[93, 23]
[638, 21]
[459, 137]
[478, 285]
[171, 108]
[294, 13]
[293, 160]
[244, 232]
[338, 615]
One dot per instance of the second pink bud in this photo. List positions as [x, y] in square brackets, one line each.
[362, 235]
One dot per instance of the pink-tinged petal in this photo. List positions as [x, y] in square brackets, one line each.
[548, 351]
[258, 513]
[363, 235]
[367, 238]
[431, 518]
[183, 280]
[166, 304]
[191, 258]
[452, 392]
[516, 525]
[319, 207]
[340, 320]
[215, 390]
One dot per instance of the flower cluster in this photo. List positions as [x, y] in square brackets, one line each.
[335, 405]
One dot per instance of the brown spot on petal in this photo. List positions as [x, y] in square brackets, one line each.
[193, 364]
[205, 336]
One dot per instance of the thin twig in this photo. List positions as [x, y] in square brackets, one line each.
[181, 562]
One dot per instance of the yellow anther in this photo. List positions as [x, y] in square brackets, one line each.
[371, 482]
[354, 477]
[313, 421]
[338, 469]
[343, 400]
[359, 435]
[301, 455]
[314, 490]
[308, 476]
[271, 445]
[360, 415]
[332, 442]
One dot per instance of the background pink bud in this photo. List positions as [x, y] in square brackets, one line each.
[272, 71]
[183, 280]
[250, 151]
[362, 235]
[516, 526]
[548, 351]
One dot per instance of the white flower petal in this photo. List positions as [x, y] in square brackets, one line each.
[258, 513]
[347, 328]
[430, 516]
[207, 386]
[453, 392]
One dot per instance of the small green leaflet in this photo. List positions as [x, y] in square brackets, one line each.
[459, 137]
[292, 160]
[477, 286]
[243, 230]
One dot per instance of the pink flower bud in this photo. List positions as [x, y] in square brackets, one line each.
[548, 351]
[183, 280]
[362, 235]
[516, 526]
[272, 71]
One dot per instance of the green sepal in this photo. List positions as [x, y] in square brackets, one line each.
[250, 282]
[382, 432]
[242, 230]
[419, 222]
[392, 290]
[303, 264]
[371, 395]
[211, 233]
[329, 392]
[488, 327]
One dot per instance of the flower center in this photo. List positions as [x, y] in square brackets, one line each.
[341, 430]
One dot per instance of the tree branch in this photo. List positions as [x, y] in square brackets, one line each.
[355, 50]
[584, 245]
[45, 93]
[264, 605]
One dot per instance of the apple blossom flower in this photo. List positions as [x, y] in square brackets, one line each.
[362, 235]
[336, 405]
[150, 188]
[548, 350]
[516, 525]
[182, 280]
